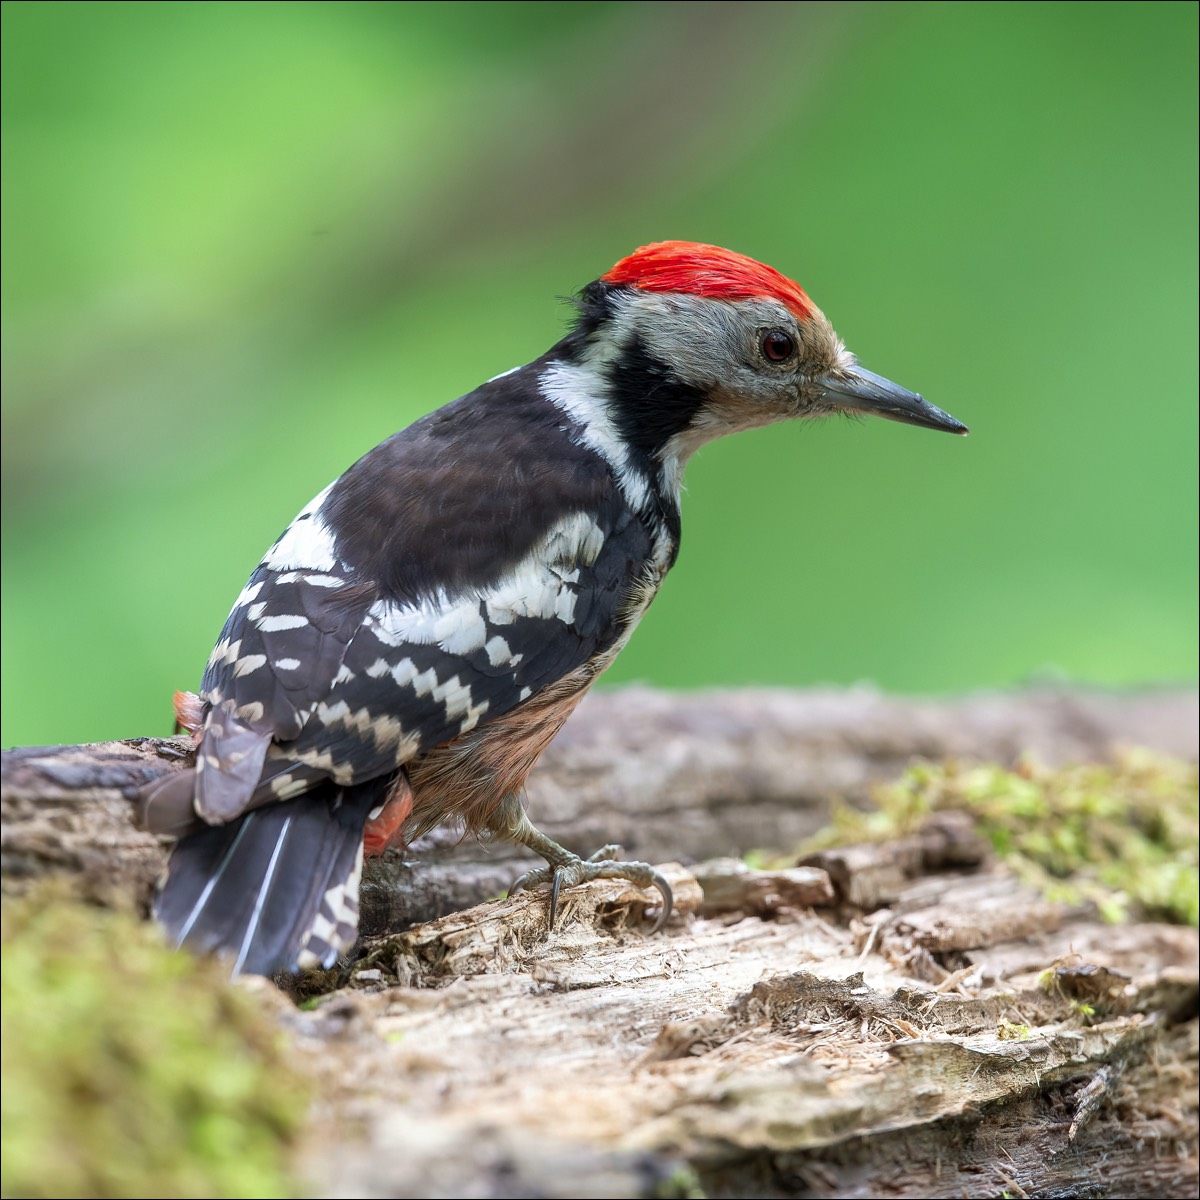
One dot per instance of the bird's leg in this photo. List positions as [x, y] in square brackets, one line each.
[564, 869]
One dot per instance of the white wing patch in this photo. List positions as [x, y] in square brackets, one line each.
[541, 585]
[306, 544]
[455, 626]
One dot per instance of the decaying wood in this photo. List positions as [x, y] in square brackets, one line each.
[902, 1019]
[68, 812]
[801, 1055]
[666, 776]
[729, 885]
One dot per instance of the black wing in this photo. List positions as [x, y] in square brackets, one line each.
[453, 572]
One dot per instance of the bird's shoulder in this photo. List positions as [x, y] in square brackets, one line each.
[458, 497]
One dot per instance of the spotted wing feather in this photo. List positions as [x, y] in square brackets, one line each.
[418, 675]
[279, 654]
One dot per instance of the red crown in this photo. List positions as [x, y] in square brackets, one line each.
[699, 270]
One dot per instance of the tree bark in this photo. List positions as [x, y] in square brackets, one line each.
[896, 1019]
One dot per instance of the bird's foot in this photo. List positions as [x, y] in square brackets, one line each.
[570, 870]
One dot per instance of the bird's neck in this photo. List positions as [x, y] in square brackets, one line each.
[621, 407]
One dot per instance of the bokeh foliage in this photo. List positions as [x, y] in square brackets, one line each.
[245, 242]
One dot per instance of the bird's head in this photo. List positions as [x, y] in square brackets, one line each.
[698, 341]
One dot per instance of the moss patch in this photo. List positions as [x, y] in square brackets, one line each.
[1122, 836]
[132, 1070]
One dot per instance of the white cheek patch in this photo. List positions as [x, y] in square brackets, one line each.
[572, 389]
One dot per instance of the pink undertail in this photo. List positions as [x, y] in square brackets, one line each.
[385, 829]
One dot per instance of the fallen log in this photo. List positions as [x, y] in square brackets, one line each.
[899, 1018]
[666, 776]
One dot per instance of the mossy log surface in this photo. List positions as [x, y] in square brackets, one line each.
[942, 1032]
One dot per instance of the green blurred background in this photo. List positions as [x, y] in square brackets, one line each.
[245, 242]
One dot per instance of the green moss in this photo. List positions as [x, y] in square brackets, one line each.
[132, 1070]
[1009, 1031]
[681, 1184]
[1121, 836]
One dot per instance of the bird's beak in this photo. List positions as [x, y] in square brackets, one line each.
[863, 391]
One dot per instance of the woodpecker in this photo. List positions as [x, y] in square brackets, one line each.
[417, 636]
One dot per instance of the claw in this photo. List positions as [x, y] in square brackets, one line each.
[668, 903]
[602, 866]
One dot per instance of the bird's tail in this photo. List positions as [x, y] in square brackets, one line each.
[276, 889]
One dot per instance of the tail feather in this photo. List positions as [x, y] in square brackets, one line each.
[275, 889]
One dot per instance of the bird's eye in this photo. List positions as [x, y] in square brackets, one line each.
[777, 346]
